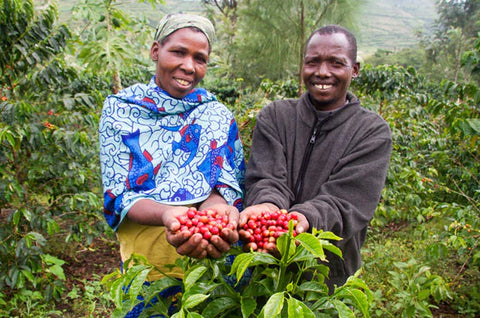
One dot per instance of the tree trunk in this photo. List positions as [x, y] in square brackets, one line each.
[302, 49]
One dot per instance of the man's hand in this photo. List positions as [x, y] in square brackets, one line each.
[302, 225]
[256, 210]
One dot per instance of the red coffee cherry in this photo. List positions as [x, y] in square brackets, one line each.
[207, 222]
[267, 227]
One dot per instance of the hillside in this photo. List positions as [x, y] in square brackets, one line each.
[383, 24]
[391, 24]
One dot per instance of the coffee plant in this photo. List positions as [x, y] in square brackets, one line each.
[253, 284]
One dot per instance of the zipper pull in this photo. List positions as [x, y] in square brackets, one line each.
[313, 137]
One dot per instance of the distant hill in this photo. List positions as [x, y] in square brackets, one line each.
[383, 24]
[391, 24]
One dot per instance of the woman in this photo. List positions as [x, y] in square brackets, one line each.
[166, 146]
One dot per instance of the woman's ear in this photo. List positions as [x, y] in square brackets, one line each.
[154, 51]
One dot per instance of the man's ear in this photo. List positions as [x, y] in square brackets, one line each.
[356, 69]
[154, 51]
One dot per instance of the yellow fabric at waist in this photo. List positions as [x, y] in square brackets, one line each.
[150, 242]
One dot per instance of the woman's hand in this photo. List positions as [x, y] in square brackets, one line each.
[220, 244]
[185, 243]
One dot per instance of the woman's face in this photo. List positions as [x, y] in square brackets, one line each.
[181, 61]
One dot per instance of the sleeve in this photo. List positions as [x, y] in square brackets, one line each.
[115, 161]
[266, 178]
[231, 183]
[347, 201]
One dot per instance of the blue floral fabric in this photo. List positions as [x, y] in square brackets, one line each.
[173, 151]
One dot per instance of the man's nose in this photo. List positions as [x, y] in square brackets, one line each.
[323, 69]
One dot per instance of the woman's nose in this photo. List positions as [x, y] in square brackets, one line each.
[188, 65]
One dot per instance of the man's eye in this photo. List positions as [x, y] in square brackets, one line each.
[338, 63]
[202, 60]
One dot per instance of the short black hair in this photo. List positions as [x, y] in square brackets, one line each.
[334, 28]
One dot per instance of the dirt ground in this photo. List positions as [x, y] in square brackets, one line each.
[91, 263]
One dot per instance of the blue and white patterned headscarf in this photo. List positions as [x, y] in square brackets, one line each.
[173, 151]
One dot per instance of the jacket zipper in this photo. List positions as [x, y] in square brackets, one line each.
[306, 159]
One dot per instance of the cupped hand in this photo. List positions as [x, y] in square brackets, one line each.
[247, 213]
[302, 224]
[256, 210]
[220, 244]
[185, 243]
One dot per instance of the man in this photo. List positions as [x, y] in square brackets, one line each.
[322, 156]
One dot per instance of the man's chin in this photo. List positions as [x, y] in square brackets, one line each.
[321, 102]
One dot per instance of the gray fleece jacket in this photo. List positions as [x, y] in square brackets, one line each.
[337, 186]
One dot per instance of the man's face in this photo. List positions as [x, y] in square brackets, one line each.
[181, 61]
[328, 70]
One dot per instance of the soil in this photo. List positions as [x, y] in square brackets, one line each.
[88, 264]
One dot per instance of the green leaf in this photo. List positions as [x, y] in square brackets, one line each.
[28, 274]
[311, 244]
[474, 123]
[297, 309]
[263, 259]
[219, 305]
[327, 235]
[164, 283]
[274, 305]
[357, 298]
[248, 306]
[193, 274]
[342, 309]
[332, 248]
[140, 273]
[313, 286]
[180, 314]
[57, 271]
[193, 300]
[240, 264]
[286, 246]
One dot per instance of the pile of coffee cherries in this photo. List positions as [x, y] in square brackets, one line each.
[207, 222]
[268, 226]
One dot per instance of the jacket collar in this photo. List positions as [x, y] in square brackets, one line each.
[309, 114]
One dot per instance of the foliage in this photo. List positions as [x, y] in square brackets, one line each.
[435, 136]
[428, 218]
[109, 40]
[256, 284]
[463, 14]
[271, 36]
[47, 150]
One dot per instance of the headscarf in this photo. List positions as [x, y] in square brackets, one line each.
[173, 22]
